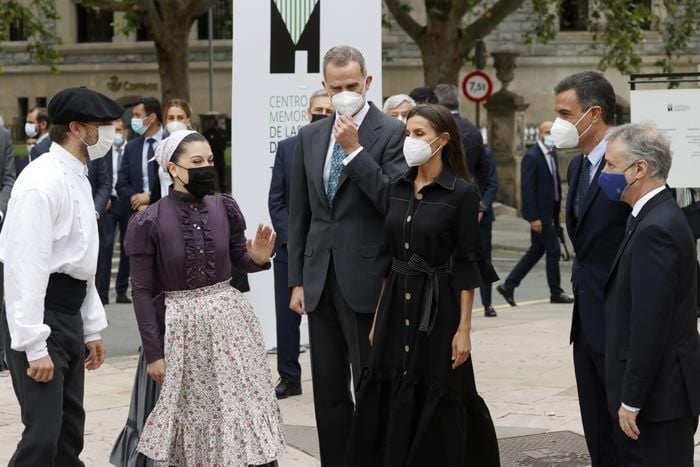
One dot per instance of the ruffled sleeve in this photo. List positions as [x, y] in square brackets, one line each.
[240, 259]
[470, 269]
[140, 246]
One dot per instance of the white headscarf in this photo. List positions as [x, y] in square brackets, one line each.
[166, 148]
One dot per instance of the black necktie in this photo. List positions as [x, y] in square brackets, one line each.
[631, 220]
[584, 182]
[151, 150]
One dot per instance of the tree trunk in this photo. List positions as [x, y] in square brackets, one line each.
[442, 51]
[173, 65]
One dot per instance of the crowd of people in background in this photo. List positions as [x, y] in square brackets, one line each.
[382, 234]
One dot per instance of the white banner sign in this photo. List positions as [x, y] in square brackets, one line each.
[278, 48]
[677, 113]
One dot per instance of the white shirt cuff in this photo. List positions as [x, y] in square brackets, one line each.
[93, 337]
[2, 216]
[631, 409]
[36, 352]
[351, 156]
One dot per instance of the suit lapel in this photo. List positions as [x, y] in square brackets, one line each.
[571, 196]
[651, 204]
[319, 149]
[367, 134]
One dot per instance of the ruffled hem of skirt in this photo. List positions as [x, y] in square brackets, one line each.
[179, 443]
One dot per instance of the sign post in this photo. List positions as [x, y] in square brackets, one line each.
[477, 87]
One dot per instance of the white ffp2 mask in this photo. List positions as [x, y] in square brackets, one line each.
[105, 139]
[417, 152]
[565, 134]
[348, 102]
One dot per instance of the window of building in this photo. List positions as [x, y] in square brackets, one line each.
[94, 25]
[40, 101]
[646, 25]
[23, 107]
[573, 15]
[142, 34]
[18, 31]
[223, 21]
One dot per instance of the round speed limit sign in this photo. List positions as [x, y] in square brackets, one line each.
[477, 86]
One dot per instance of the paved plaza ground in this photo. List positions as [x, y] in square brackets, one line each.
[522, 361]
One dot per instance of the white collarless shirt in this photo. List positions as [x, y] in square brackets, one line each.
[50, 227]
[358, 118]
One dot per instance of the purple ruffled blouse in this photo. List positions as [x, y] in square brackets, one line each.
[180, 243]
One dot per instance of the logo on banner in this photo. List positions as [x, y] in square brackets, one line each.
[677, 108]
[295, 25]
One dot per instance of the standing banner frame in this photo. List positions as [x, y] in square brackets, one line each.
[676, 112]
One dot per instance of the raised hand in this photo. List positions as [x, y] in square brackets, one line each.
[260, 248]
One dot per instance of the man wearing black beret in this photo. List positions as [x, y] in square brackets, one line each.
[53, 315]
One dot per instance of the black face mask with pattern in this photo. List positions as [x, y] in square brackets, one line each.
[201, 180]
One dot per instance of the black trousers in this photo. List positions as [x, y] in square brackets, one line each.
[667, 443]
[116, 217]
[607, 443]
[287, 324]
[52, 413]
[339, 341]
[3, 360]
[542, 243]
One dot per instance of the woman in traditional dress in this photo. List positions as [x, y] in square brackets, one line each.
[217, 404]
[418, 404]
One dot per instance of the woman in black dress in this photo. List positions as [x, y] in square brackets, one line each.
[418, 405]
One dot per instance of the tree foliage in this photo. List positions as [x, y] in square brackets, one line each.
[33, 19]
[618, 28]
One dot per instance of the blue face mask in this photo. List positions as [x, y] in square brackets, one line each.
[548, 142]
[138, 126]
[614, 184]
[118, 139]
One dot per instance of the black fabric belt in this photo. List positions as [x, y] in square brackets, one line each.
[417, 266]
[65, 294]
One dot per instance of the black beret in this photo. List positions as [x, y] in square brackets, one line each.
[82, 105]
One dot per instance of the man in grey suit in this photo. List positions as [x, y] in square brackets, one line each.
[7, 180]
[343, 167]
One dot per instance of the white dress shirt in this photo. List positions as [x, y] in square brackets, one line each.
[358, 118]
[596, 156]
[552, 167]
[144, 159]
[50, 228]
[115, 165]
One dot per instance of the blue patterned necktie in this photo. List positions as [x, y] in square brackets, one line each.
[584, 182]
[334, 176]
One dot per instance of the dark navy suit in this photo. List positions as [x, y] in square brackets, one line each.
[540, 201]
[41, 148]
[596, 234]
[488, 188]
[130, 179]
[116, 216]
[287, 320]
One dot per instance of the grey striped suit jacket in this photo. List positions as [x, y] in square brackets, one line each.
[352, 231]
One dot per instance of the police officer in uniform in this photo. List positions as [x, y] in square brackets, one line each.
[53, 316]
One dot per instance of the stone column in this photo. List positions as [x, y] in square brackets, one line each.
[506, 124]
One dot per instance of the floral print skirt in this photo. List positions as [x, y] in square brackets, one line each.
[217, 406]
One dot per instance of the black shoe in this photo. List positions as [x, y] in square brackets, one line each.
[122, 298]
[489, 312]
[285, 389]
[561, 298]
[507, 294]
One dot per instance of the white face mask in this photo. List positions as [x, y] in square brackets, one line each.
[174, 126]
[565, 134]
[105, 139]
[30, 130]
[348, 102]
[417, 151]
